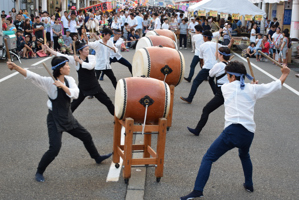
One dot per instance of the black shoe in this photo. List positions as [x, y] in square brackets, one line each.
[193, 131]
[102, 158]
[248, 189]
[39, 177]
[90, 97]
[186, 79]
[192, 195]
[186, 100]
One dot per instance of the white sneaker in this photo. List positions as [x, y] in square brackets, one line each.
[192, 51]
[180, 47]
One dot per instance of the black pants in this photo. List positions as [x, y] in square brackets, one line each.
[101, 96]
[55, 143]
[194, 62]
[215, 103]
[56, 45]
[64, 30]
[110, 75]
[183, 37]
[48, 36]
[122, 61]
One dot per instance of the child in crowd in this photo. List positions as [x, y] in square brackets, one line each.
[20, 42]
[34, 44]
[126, 32]
[258, 47]
[183, 33]
[251, 50]
[28, 51]
[165, 25]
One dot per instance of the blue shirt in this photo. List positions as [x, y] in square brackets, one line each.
[239, 23]
[139, 21]
[251, 48]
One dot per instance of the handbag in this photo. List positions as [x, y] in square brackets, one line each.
[272, 45]
[41, 53]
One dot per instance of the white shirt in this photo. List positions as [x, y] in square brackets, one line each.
[115, 25]
[198, 40]
[102, 54]
[191, 26]
[218, 70]
[123, 20]
[276, 39]
[118, 43]
[72, 63]
[46, 84]
[165, 26]
[73, 25]
[98, 17]
[252, 37]
[65, 22]
[139, 22]
[132, 22]
[157, 23]
[239, 104]
[207, 52]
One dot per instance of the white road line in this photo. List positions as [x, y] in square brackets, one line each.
[9, 76]
[113, 174]
[39, 62]
[274, 78]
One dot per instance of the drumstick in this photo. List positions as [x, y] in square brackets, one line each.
[231, 58]
[107, 46]
[251, 71]
[74, 47]
[217, 40]
[277, 63]
[45, 37]
[45, 66]
[7, 50]
[216, 25]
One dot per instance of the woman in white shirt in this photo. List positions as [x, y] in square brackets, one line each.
[115, 24]
[253, 33]
[60, 118]
[276, 38]
[92, 24]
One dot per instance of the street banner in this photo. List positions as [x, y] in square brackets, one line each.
[235, 16]
[248, 17]
[258, 17]
[213, 13]
[224, 15]
[103, 7]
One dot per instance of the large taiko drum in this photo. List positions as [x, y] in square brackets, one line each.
[154, 40]
[163, 32]
[134, 93]
[158, 62]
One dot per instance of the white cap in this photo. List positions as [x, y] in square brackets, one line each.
[192, 18]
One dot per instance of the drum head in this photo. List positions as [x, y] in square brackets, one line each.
[120, 99]
[168, 97]
[140, 63]
[151, 33]
[143, 42]
[183, 66]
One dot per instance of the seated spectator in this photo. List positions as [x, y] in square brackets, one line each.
[28, 51]
[20, 41]
[34, 44]
[132, 39]
[251, 50]
[265, 45]
[258, 47]
[63, 48]
[10, 25]
[40, 49]
[68, 40]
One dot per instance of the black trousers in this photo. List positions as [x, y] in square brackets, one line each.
[101, 96]
[64, 30]
[122, 61]
[183, 37]
[55, 143]
[56, 45]
[110, 75]
[215, 103]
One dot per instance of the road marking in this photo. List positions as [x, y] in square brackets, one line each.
[9, 76]
[39, 62]
[274, 78]
[113, 174]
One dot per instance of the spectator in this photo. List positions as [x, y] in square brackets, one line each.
[4, 25]
[115, 24]
[251, 50]
[68, 41]
[57, 14]
[10, 25]
[205, 25]
[274, 23]
[173, 25]
[285, 46]
[157, 21]
[92, 24]
[165, 25]
[265, 45]
[34, 44]
[27, 50]
[132, 21]
[65, 21]
[13, 14]
[139, 26]
[28, 29]
[98, 16]
[18, 22]
[258, 47]
[132, 39]
[183, 27]
[227, 31]
[3, 15]
[126, 32]
[276, 41]
[145, 23]
[57, 30]
[191, 30]
[73, 23]
[253, 33]
[38, 28]
[20, 42]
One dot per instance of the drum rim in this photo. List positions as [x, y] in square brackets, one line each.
[124, 99]
[167, 100]
[182, 68]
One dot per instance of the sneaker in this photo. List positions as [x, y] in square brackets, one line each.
[90, 97]
[186, 79]
[192, 195]
[248, 189]
[180, 47]
[102, 158]
[39, 177]
[193, 131]
[186, 100]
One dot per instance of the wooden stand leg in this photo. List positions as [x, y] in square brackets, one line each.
[161, 147]
[169, 117]
[128, 148]
[147, 142]
[116, 139]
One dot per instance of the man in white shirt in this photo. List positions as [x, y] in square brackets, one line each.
[198, 40]
[191, 31]
[239, 102]
[65, 21]
[132, 21]
[122, 20]
[207, 53]
[165, 24]
[98, 16]
[157, 21]
[139, 20]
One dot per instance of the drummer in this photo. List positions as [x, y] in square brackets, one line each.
[88, 84]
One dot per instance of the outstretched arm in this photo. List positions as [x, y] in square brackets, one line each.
[13, 66]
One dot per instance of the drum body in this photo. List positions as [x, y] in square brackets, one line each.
[154, 40]
[167, 33]
[156, 62]
[132, 94]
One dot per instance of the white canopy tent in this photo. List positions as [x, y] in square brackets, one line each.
[242, 7]
[267, 1]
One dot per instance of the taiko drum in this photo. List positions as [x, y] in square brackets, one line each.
[163, 32]
[154, 40]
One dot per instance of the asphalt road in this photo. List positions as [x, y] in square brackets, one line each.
[73, 175]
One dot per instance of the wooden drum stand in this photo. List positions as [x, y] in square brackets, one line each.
[150, 157]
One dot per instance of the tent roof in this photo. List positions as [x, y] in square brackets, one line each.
[242, 7]
[267, 1]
